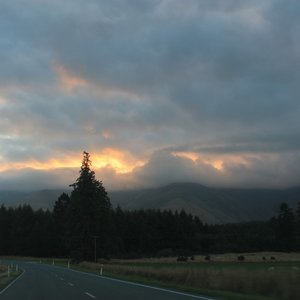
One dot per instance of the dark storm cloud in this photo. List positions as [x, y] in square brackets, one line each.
[212, 77]
[164, 168]
[28, 179]
[261, 171]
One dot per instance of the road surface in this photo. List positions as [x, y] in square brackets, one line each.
[47, 282]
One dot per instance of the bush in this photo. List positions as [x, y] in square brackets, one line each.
[182, 258]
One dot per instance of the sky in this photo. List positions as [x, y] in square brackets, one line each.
[157, 91]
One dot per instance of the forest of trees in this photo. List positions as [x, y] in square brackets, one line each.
[84, 223]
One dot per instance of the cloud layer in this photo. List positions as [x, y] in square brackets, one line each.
[156, 91]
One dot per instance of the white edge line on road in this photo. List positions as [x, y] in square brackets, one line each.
[145, 286]
[2, 291]
[159, 289]
[70, 284]
[90, 295]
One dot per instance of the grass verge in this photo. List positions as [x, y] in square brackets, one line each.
[4, 278]
[223, 278]
[142, 276]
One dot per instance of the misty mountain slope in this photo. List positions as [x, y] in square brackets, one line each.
[44, 199]
[212, 205]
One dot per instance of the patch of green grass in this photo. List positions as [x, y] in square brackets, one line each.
[224, 295]
[219, 265]
[218, 294]
[232, 281]
[226, 280]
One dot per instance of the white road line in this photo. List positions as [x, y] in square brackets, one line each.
[159, 289]
[90, 295]
[71, 284]
[1, 292]
[145, 286]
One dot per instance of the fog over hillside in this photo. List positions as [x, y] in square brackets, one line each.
[212, 205]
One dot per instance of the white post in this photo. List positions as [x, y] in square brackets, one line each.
[53, 262]
[101, 270]
[8, 271]
[68, 264]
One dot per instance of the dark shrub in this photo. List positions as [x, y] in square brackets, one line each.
[241, 258]
[182, 258]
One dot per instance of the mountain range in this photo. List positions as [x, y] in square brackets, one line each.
[211, 205]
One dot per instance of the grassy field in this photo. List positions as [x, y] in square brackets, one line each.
[223, 276]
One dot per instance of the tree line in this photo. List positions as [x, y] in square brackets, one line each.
[85, 226]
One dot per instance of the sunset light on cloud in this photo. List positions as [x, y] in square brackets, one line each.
[116, 159]
[216, 163]
[155, 91]
[69, 81]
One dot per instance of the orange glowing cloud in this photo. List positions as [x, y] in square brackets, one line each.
[38, 165]
[189, 155]
[121, 162]
[216, 163]
[68, 80]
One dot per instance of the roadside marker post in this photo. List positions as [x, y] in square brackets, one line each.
[68, 264]
[101, 270]
[8, 271]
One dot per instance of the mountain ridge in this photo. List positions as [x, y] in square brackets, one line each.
[211, 205]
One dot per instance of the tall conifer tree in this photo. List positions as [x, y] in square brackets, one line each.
[88, 212]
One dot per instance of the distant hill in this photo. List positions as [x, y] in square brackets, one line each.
[212, 205]
[44, 199]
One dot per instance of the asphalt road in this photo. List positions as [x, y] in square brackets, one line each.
[47, 282]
